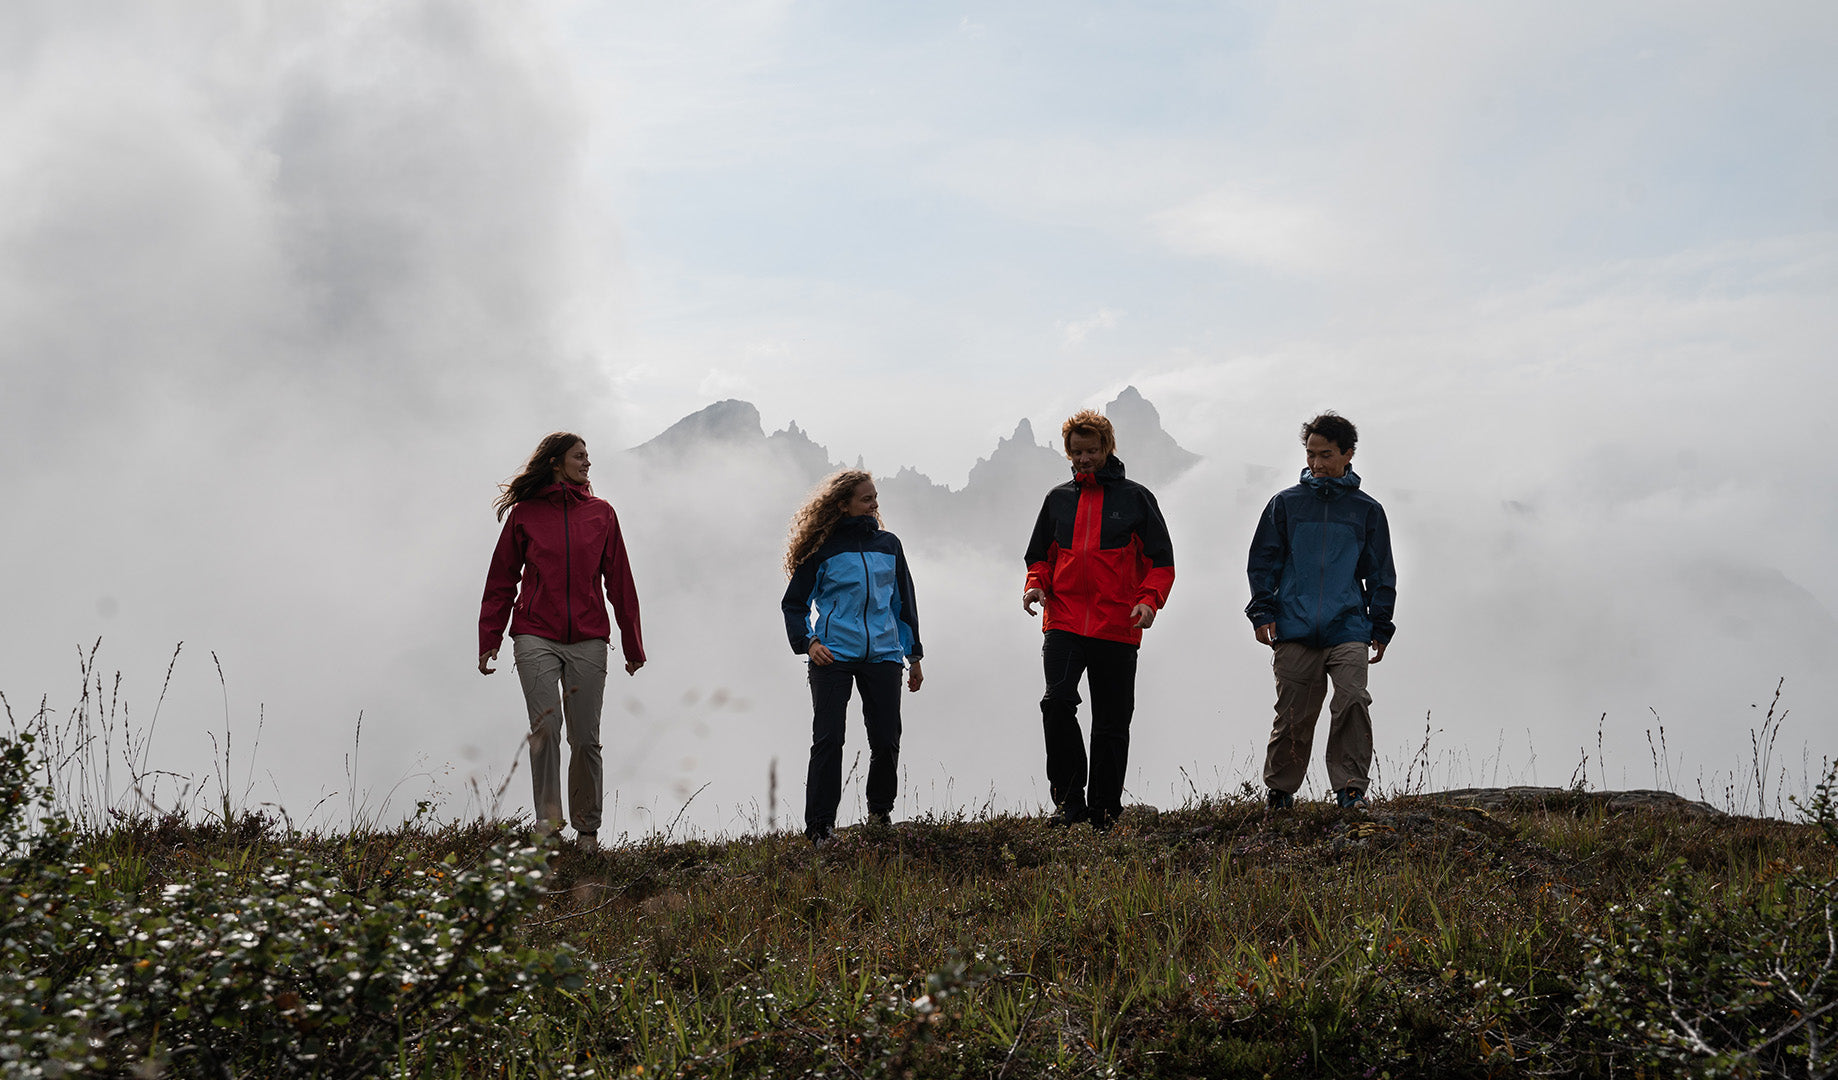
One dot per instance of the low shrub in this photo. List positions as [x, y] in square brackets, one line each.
[272, 965]
[1722, 983]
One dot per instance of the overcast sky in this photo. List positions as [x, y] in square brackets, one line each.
[286, 289]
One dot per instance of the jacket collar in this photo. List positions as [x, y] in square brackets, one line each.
[562, 491]
[1109, 472]
[860, 523]
[1328, 487]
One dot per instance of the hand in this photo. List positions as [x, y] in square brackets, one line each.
[1032, 597]
[484, 669]
[1142, 616]
[1378, 652]
[632, 666]
[820, 654]
[914, 676]
[1266, 634]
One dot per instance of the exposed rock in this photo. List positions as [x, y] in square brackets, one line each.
[1018, 462]
[807, 456]
[1152, 455]
[995, 509]
[725, 423]
[1571, 800]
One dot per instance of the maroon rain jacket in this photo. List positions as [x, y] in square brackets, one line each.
[560, 544]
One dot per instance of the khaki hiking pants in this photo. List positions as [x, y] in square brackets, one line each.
[1302, 678]
[564, 683]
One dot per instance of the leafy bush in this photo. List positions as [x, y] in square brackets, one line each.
[1718, 986]
[275, 966]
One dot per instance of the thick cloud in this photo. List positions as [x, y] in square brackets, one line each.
[284, 292]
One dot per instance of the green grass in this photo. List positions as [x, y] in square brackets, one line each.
[1214, 940]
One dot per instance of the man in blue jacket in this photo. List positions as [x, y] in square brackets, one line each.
[1322, 593]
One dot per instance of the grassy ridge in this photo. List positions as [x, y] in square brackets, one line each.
[1215, 940]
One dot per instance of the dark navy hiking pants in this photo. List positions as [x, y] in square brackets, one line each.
[830, 688]
[1109, 668]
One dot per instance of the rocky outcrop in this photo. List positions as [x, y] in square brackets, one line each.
[993, 511]
[730, 423]
[1149, 452]
[1570, 800]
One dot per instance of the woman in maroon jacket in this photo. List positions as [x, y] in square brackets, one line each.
[560, 547]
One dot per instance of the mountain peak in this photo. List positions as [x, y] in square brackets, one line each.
[725, 422]
[1153, 454]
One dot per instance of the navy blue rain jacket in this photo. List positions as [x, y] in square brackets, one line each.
[863, 595]
[1321, 567]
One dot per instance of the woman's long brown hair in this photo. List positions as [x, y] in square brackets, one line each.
[538, 472]
[818, 517]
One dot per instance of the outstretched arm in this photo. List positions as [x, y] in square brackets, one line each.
[906, 605]
[1039, 560]
[616, 569]
[500, 593]
[1269, 550]
[1158, 549]
[796, 607]
[1379, 578]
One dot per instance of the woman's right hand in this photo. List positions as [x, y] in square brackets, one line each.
[821, 655]
[484, 659]
[1032, 597]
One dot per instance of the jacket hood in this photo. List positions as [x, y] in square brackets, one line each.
[1329, 487]
[1109, 472]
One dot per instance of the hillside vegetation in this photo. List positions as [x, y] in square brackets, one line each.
[1417, 939]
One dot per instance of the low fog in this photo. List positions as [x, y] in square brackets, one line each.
[285, 293]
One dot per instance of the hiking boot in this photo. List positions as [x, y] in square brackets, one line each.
[1103, 820]
[822, 836]
[1352, 798]
[1067, 816]
[880, 819]
[1281, 800]
[587, 842]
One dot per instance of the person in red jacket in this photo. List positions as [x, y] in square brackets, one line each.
[1101, 561]
[560, 547]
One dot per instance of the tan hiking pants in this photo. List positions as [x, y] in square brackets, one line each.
[564, 683]
[1302, 678]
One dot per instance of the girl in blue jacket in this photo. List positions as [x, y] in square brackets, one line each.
[849, 608]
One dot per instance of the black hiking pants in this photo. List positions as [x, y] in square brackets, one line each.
[830, 688]
[1109, 668]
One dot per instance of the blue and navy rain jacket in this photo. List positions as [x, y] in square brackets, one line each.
[863, 596]
[1321, 566]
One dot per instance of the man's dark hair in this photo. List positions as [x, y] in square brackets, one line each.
[1333, 427]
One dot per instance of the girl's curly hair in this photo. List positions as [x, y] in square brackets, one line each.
[818, 517]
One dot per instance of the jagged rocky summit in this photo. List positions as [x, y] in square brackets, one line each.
[1151, 454]
[1000, 497]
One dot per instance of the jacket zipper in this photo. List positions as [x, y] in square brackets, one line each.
[867, 592]
[1321, 577]
[567, 570]
[1093, 530]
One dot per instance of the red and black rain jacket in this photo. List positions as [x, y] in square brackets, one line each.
[556, 549]
[1100, 547]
